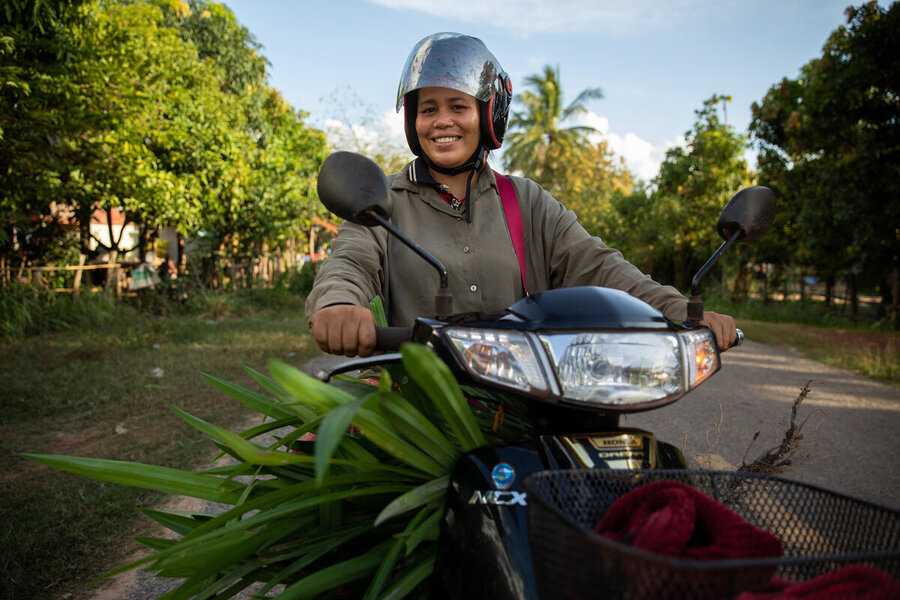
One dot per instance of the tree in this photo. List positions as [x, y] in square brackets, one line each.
[160, 109]
[693, 185]
[537, 145]
[832, 137]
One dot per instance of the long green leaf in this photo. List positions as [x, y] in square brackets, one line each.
[291, 508]
[429, 492]
[313, 550]
[435, 378]
[308, 390]
[387, 565]
[331, 432]
[428, 530]
[412, 578]
[151, 477]
[248, 452]
[418, 429]
[336, 575]
[254, 400]
[180, 524]
[382, 434]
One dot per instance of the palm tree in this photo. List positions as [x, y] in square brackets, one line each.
[536, 143]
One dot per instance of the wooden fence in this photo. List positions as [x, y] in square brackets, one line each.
[262, 271]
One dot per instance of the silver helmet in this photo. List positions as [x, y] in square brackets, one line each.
[462, 63]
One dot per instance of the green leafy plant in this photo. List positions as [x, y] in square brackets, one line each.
[355, 510]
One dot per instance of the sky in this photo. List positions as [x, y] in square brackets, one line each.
[656, 61]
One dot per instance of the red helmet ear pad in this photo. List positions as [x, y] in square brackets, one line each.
[495, 113]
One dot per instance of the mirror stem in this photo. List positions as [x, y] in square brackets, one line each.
[443, 301]
[695, 304]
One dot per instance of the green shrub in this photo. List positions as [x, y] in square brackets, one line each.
[27, 311]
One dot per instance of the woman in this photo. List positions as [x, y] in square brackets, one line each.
[456, 98]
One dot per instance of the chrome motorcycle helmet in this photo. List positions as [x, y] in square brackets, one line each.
[462, 63]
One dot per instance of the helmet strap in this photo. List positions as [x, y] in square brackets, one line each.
[473, 165]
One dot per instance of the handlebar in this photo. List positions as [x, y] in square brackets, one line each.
[388, 339]
[740, 339]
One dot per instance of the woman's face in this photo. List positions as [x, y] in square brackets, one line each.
[447, 125]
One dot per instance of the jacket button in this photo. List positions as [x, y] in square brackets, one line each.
[474, 288]
[466, 249]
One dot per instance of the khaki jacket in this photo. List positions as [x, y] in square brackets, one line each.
[483, 269]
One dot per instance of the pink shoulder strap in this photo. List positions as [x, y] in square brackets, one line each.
[513, 221]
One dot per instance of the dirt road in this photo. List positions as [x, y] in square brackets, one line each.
[850, 440]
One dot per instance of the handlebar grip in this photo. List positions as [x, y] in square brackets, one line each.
[740, 338]
[391, 338]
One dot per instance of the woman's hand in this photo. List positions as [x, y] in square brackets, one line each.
[344, 329]
[722, 326]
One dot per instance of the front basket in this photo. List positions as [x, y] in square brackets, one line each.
[820, 531]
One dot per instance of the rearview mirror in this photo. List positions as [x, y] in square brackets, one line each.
[352, 187]
[751, 211]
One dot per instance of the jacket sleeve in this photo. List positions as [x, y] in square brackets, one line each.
[574, 257]
[353, 273]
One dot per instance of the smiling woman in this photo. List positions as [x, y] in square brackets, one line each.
[456, 100]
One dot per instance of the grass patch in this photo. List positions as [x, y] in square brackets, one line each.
[104, 391]
[867, 347]
[875, 354]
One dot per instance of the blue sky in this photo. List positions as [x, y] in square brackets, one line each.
[655, 60]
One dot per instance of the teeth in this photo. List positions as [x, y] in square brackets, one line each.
[444, 140]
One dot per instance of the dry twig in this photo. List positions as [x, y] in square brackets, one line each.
[776, 459]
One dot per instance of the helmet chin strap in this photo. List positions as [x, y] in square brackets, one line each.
[473, 165]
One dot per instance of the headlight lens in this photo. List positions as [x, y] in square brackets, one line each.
[620, 368]
[499, 356]
[631, 370]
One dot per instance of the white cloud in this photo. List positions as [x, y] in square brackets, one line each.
[641, 157]
[523, 17]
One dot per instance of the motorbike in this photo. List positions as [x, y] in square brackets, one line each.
[576, 358]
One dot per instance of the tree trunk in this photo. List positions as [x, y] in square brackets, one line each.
[852, 293]
[829, 290]
[76, 287]
[895, 292]
[181, 258]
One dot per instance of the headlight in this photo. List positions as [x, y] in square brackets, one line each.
[631, 370]
[499, 356]
[623, 370]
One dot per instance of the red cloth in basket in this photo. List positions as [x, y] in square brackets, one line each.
[854, 582]
[674, 519]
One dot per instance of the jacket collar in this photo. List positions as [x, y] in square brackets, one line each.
[416, 174]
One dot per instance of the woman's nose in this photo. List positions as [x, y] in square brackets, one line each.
[444, 119]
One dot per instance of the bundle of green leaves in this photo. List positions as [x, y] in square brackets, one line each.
[356, 510]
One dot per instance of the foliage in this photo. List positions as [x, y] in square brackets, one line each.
[356, 510]
[582, 174]
[536, 144]
[158, 108]
[829, 140]
[27, 311]
[669, 230]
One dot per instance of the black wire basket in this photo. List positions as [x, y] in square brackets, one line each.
[820, 532]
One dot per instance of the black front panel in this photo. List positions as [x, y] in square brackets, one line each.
[483, 551]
